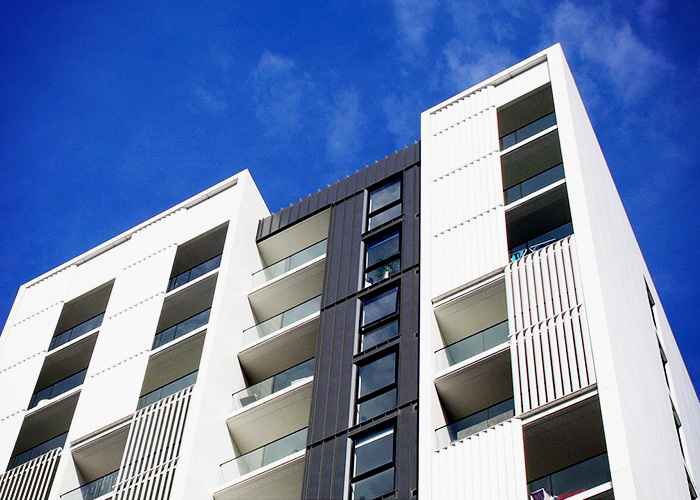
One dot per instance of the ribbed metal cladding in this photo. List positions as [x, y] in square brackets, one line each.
[489, 465]
[550, 344]
[330, 430]
[153, 449]
[32, 480]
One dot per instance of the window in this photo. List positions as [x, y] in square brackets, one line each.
[379, 319]
[376, 387]
[382, 258]
[384, 204]
[373, 465]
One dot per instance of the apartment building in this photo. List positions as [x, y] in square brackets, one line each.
[468, 318]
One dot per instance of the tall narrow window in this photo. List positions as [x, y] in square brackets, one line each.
[382, 258]
[373, 465]
[379, 320]
[384, 204]
[376, 387]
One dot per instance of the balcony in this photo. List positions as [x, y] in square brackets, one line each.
[81, 315]
[77, 331]
[272, 408]
[194, 273]
[282, 320]
[273, 471]
[526, 117]
[290, 263]
[182, 328]
[527, 131]
[471, 346]
[589, 476]
[94, 489]
[58, 388]
[167, 390]
[541, 241]
[37, 450]
[474, 423]
[534, 184]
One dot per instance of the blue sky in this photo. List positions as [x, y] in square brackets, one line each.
[113, 112]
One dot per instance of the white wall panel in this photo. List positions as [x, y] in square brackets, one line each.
[489, 465]
[29, 336]
[32, 480]
[98, 271]
[156, 236]
[44, 293]
[550, 344]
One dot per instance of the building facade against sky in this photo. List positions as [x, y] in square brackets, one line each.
[469, 318]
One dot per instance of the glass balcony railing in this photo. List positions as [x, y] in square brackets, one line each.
[472, 345]
[167, 390]
[541, 241]
[181, 328]
[295, 375]
[575, 479]
[528, 131]
[292, 262]
[37, 451]
[534, 183]
[58, 388]
[476, 422]
[284, 319]
[263, 456]
[94, 489]
[76, 331]
[194, 273]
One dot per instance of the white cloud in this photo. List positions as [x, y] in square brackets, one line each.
[467, 64]
[414, 18]
[345, 124]
[401, 114]
[280, 90]
[649, 11]
[611, 45]
[209, 101]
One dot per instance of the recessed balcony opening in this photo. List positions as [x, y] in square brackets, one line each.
[81, 315]
[539, 222]
[197, 257]
[171, 370]
[62, 372]
[566, 455]
[471, 324]
[475, 396]
[186, 312]
[97, 465]
[294, 239]
[533, 167]
[526, 117]
[43, 431]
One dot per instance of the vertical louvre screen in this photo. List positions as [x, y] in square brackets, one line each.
[31, 480]
[550, 345]
[153, 449]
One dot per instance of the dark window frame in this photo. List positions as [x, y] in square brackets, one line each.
[379, 392]
[385, 262]
[365, 329]
[390, 465]
[385, 208]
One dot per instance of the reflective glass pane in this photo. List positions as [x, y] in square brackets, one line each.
[378, 335]
[384, 195]
[383, 248]
[374, 451]
[376, 406]
[374, 486]
[384, 216]
[377, 374]
[383, 272]
[380, 306]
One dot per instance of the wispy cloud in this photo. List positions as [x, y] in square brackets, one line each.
[414, 19]
[280, 90]
[402, 117]
[610, 44]
[466, 65]
[209, 101]
[345, 124]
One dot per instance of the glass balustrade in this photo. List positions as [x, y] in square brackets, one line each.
[263, 456]
[575, 479]
[76, 331]
[296, 375]
[476, 422]
[528, 131]
[282, 320]
[194, 273]
[541, 241]
[534, 183]
[37, 451]
[94, 489]
[167, 390]
[58, 388]
[292, 262]
[181, 328]
[472, 345]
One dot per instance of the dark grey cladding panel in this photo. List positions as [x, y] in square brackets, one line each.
[338, 191]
